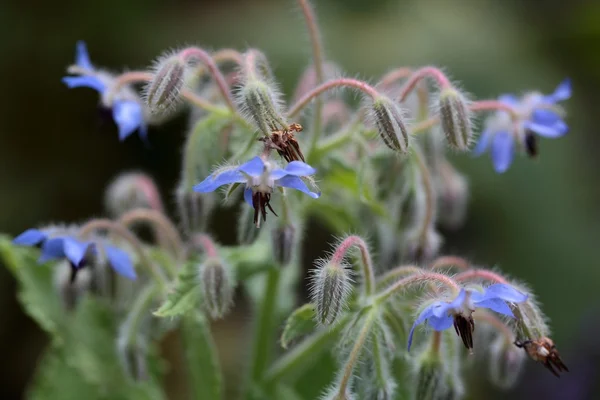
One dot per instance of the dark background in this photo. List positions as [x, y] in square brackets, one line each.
[539, 221]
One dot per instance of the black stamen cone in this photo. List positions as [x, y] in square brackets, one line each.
[464, 328]
[531, 144]
[260, 202]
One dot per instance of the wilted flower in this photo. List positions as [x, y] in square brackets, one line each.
[544, 351]
[65, 246]
[537, 114]
[127, 110]
[261, 177]
[441, 315]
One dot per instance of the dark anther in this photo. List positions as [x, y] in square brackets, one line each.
[260, 202]
[531, 144]
[464, 328]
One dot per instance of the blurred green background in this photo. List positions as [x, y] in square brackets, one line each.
[540, 221]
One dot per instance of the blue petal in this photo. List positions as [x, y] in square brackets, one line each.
[82, 57]
[457, 302]
[75, 250]
[509, 99]
[248, 196]
[212, 182]
[496, 305]
[545, 116]
[254, 167]
[120, 261]
[553, 131]
[52, 249]
[504, 292]
[299, 168]
[562, 92]
[502, 151]
[84, 81]
[483, 143]
[426, 313]
[296, 183]
[128, 116]
[440, 323]
[30, 237]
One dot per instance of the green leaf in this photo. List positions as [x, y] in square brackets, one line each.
[299, 323]
[202, 361]
[36, 290]
[185, 295]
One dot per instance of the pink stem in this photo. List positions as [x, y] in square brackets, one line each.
[424, 72]
[207, 244]
[367, 262]
[481, 274]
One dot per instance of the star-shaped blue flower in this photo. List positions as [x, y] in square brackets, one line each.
[75, 251]
[127, 111]
[261, 177]
[441, 315]
[538, 115]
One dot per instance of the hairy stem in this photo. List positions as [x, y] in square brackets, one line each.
[206, 242]
[424, 72]
[428, 191]
[416, 278]
[160, 222]
[398, 272]
[450, 261]
[368, 271]
[480, 274]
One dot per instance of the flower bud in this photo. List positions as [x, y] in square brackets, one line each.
[217, 287]
[389, 121]
[247, 232]
[283, 241]
[260, 103]
[505, 363]
[455, 118]
[162, 93]
[194, 209]
[453, 195]
[330, 289]
[430, 379]
[422, 246]
[129, 191]
[71, 287]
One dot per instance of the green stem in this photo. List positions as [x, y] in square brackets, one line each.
[306, 352]
[264, 333]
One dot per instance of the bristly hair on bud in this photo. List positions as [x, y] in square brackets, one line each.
[429, 377]
[455, 118]
[162, 93]
[506, 363]
[217, 287]
[330, 289]
[258, 98]
[131, 190]
[388, 118]
[283, 240]
[194, 209]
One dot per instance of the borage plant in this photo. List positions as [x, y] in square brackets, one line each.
[107, 298]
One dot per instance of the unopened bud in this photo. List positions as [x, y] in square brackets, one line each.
[283, 241]
[163, 91]
[71, 287]
[430, 379]
[422, 246]
[453, 195]
[331, 287]
[389, 121]
[455, 119]
[217, 287]
[129, 191]
[505, 363]
[194, 209]
[260, 102]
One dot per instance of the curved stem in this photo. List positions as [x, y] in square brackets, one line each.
[417, 278]
[394, 75]
[424, 72]
[159, 221]
[428, 191]
[213, 69]
[398, 272]
[480, 274]
[436, 341]
[355, 354]
[121, 231]
[206, 242]
[450, 261]
[367, 263]
[332, 84]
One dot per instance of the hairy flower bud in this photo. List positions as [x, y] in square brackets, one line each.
[217, 287]
[283, 241]
[455, 118]
[389, 121]
[71, 287]
[129, 191]
[162, 93]
[330, 289]
[421, 246]
[194, 209]
[430, 377]
[506, 362]
[453, 195]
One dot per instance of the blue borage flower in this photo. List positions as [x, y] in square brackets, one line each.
[261, 177]
[441, 315]
[77, 252]
[127, 110]
[538, 114]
